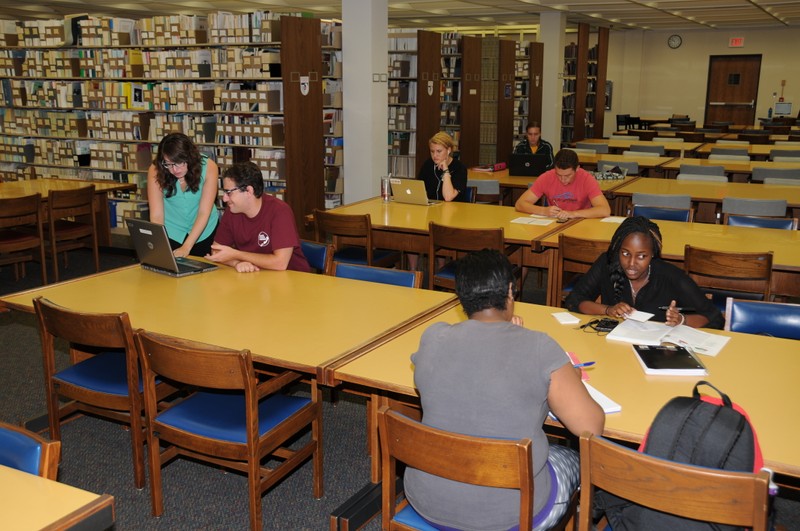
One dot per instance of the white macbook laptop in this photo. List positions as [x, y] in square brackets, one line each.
[152, 248]
[411, 191]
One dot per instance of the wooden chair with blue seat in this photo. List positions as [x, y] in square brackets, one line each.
[501, 463]
[449, 243]
[760, 173]
[22, 233]
[318, 255]
[381, 275]
[759, 221]
[754, 207]
[351, 235]
[688, 491]
[646, 148]
[487, 191]
[575, 257]
[792, 153]
[231, 416]
[28, 451]
[103, 376]
[776, 319]
[71, 224]
[722, 274]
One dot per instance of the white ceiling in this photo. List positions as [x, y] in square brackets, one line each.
[502, 15]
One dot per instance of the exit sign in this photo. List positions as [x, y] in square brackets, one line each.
[736, 42]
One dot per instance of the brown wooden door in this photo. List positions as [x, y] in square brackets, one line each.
[732, 89]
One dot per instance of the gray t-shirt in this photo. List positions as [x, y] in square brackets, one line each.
[488, 380]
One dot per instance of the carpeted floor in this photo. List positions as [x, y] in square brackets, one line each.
[96, 453]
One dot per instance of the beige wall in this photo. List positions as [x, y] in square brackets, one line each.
[652, 79]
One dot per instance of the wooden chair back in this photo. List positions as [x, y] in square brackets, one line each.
[344, 230]
[706, 494]
[722, 271]
[576, 256]
[28, 451]
[454, 242]
[71, 223]
[89, 334]
[16, 245]
[207, 369]
[475, 460]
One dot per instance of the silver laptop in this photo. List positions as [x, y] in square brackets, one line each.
[152, 248]
[411, 191]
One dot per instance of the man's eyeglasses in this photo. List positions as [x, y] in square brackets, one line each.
[169, 165]
[229, 191]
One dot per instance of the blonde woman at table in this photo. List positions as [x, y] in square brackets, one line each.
[445, 177]
[571, 192]
[632, 276]
[490, 377]
[181, 191]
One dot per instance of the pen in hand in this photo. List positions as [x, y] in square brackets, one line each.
[685, 309]
[584, 364]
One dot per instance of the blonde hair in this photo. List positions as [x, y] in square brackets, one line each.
[443, 139]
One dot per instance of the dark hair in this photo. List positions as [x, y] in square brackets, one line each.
[482, 280]
[246, 174]
[179, 148]
[532, 124]
[565, 159]
[636, 224]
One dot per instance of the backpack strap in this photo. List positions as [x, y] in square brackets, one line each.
[725, 399]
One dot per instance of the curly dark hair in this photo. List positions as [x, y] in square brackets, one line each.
[179, 148]
[636, 224]
[246, 174]
[482, 280]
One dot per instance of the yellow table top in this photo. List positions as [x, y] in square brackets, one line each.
[300, 321]
[760, 150]
[710, 191]
[731, 166]
[642, 160]
[785, 244]
[619, 144]
[515, 181]
[620, 377]
[399, 217]
[29, 502]
[12, 189]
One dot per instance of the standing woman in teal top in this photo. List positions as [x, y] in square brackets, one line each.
[181, 192]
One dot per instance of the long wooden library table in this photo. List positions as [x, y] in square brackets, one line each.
[404, 227]
[757, 382]
[761, 151]
[785, 245]
[30, 502]
[644, 162]
[619, 144]
[300, 321]
[710, 193]
[11, 189]
[731, 166]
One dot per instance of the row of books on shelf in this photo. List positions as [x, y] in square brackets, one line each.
[402, 143]
[220, 27]
[403, 118]
[109, 63]
[403, 41]
[402, 167]
[450, 40]
[450, 91]
[402, 92]
[451, 66]
[450, 114]
[402, 66]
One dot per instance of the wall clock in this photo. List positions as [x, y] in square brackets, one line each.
[674, 41]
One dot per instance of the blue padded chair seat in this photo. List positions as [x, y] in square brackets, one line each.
[770, 318]
[395, 277]
[358, 255]
[411, 518]
[19, 451]
[103, 373]
[720, 296]
[448, 271]
[221, 415]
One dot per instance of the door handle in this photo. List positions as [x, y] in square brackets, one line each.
[723, 103]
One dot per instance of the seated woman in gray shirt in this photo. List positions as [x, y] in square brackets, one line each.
[490, 377]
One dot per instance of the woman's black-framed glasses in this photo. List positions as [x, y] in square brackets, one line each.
[169, 165]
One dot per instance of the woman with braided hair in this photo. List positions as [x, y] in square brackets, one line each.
[632, 276]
